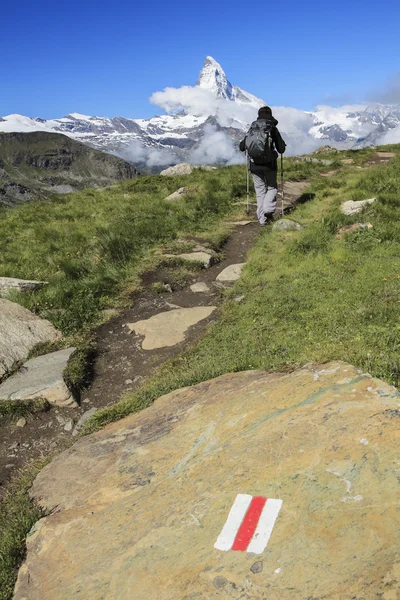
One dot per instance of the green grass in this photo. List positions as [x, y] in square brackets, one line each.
[308, 297]
[10, 410]
[17, 516]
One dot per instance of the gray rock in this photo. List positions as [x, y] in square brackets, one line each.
[20, 332]
[351, 207]
[21, 422]
[84, 418]
[69, 425]
[199, 288]
[286, 225]
[181, 169]
[181, 193]
[128, 381]
[41, 377]
[231, 273]
[8, 284]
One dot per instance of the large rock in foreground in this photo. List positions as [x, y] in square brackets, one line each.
[136, 509]
[20, 332]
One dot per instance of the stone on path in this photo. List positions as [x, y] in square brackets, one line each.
[286, 225]
[181, 169]
[8, 284]
[20, 332]
[196, 257]
[352, 207]
[199, 288]
[169, 328]
[350, 228]
[135, 509]
[241, 223]
[21, 422]
[40, 377]
[181, 193]
[231, 273]
[83, 420]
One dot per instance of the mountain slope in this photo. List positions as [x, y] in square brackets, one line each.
[194, 114]
[37, 164]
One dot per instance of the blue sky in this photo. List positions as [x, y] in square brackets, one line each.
[108, 57]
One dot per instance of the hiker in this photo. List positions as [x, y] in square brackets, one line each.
[262, 143]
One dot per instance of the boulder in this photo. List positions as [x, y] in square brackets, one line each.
[20, 332]
[138, 509]
[8, 284]
[40, 377]
[325, 150]
[352, 207]
[231, 273]
[181, 193]
[350, 228]
[286, 225]
[169, 328]
[181, 169]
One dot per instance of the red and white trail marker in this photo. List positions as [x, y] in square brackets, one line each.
[249, 525]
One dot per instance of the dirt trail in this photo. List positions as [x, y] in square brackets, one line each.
[121, 364]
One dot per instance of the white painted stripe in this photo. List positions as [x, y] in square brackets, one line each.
[265, 526]
[233, 522]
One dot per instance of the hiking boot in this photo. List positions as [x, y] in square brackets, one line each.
[269, 217]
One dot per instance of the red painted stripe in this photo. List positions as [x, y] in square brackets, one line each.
[249, 524]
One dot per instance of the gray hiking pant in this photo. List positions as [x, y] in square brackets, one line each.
[266, 197]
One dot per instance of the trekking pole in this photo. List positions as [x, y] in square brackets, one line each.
[283, 193]
[247, 184]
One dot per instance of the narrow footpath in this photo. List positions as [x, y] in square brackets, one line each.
[122, 364]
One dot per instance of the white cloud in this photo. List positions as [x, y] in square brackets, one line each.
[201, 102]
[390, 137]
[136, 153]
[216, 147]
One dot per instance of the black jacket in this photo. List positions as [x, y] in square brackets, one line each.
[261, 167]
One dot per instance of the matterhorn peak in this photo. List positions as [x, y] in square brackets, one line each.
[213, 78]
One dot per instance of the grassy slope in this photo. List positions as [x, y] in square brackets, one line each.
[308, 296]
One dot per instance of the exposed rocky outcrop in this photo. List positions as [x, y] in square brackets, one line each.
[135, 510]
[38, 164]
[7, 284]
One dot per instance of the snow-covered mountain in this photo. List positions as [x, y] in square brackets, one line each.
[203, 123]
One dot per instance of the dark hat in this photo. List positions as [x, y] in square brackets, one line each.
[264, 112]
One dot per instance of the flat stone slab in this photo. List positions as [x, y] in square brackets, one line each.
[286, 225]
[199, 288]
[241, 223]
[8, 284]
[20, 332]
[181, 193]
[169, 328]
[40, 377]
[196, 257]
[181, 169]
[352, 207]
[231, 273]
[135, 510]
